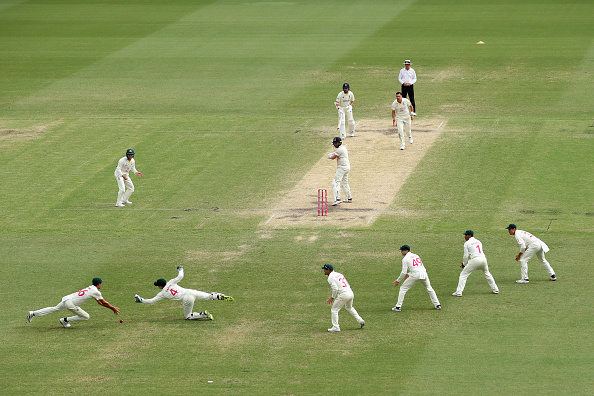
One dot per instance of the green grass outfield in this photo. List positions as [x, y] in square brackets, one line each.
[210, 94]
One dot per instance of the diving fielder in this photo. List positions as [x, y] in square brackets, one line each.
[341, 177]
[122, 175]
[342, 295]
[402, 116]
[172, 291]
[529, 246]
[413, 271]
[344, 104]
[72, 301]
[473, 248]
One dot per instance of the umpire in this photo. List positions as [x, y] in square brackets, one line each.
[407, 78]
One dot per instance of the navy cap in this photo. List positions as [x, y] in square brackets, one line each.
[405, 247]
[469, 232]
[328, 267]
[509, 227]
[160, 282]
[97, 281]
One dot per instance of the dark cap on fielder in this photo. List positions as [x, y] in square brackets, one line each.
[469, 232]
[405, 247]
[160, 282]
[509, 227]
[329, 267]
[97, 281]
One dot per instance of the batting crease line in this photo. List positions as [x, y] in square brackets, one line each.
[271, 217]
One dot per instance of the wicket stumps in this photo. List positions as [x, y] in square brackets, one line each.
[322, 202]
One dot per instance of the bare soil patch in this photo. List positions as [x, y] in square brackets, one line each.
[378, 170]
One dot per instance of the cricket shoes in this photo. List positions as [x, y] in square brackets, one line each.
[221, 296]
[64, 323]
[410, 140]
[120, 205]
[127, 203]
[334, 330]
[456, 294]
[523, 281]
[350, 200]
[553, 277]
[438, 307]
[352, 134]
[362, 324]
[495, 291]
[396, 309]
[30, 316]
[207, 315]
[401, 147]
[337, 202]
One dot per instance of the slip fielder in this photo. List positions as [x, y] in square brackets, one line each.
[529, 246]
[413, 271]
[473, 248]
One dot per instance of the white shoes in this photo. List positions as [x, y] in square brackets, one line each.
[337, 202]
[401, 147]
[127, 203]
[334, 330]
[495, 291]
[30, 316]
[352, 134]
[396, 309]
[120, 205]
[410, 139]
[64, 323]
[456, 294]
[523, 281]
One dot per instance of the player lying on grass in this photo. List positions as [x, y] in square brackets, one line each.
[173, 291]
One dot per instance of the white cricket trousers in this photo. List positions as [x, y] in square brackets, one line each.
[403, 128]
[535, 248]
[341, 180]
[69, 305]
[189, 300]
[346, 300]
[126, 188]
[477, 263]
[343, 113]
[409, 282]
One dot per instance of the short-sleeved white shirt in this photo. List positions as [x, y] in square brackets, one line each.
[124, 167]
[402, 109]
[84, 295]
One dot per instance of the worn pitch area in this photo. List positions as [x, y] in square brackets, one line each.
[378, 170]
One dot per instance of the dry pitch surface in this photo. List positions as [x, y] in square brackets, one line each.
[378, 170]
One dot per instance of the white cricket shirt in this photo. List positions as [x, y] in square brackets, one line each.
[84, 295]
[124, 167]
[171, 291]
[412, 264]
[338, 283]
[345, 99]
[473, 248]
[525, 239]
[343, 156]
[402, 109]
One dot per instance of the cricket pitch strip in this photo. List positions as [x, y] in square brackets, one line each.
[378, 170]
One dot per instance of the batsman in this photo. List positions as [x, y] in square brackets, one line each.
[341, 177]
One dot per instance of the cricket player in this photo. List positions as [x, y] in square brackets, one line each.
[72, 301]
[402, 116]
[344, 105]
[529, 246]
[342, 295]
[341, 177]
[473, 248]
[172, 291]
[122, 175]
[413, 271]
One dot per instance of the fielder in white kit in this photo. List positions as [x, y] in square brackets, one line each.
[72, 301]
[172, 291]
[529, 246]
[413, 271]
[344, 104]
[341, 177]
[402, 116]
[473, 248]
[342, 295]
[122, 175]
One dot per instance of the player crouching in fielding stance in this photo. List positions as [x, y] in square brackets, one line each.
[344, 104]
[529, 246]
[72, 301]
[341, 177]
[341, 295]
[122, 175]
[188, 297]
[478, 261]
[413, 271]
